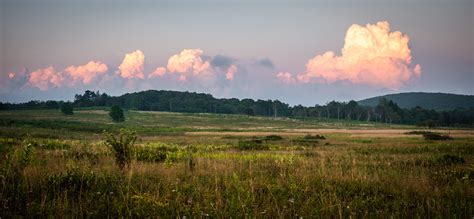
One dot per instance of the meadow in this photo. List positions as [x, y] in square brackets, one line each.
[221, 166]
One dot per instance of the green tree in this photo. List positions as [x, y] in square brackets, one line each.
[66, 109]
[116, 113]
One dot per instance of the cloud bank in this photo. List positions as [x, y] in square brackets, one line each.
[46, 78]
[189, 65]
[371, 55]
[88, 72]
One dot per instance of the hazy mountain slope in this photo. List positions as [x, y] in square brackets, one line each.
[436, 101]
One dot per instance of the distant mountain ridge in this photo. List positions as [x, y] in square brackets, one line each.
[435, 101]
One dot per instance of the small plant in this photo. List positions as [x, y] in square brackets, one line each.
[122, 146]
[436, 136]
[26, 154]
[66, 109]
[116, 113]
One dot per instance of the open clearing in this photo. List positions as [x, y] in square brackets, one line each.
[221, 166]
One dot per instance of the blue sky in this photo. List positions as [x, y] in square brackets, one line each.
[37, 34]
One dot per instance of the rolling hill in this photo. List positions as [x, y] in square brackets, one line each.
[436, 101]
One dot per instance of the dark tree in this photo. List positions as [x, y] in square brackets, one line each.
[116, 113]
[66, 109]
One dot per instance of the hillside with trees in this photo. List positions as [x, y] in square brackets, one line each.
[385, 111]
[431, 101]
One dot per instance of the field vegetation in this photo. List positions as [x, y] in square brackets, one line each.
[157, 164]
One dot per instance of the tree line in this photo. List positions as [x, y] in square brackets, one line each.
[386, 111]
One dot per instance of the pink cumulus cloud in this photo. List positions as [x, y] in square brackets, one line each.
[88, 72]
[46, 78]
[371, 55]
[132, 65]
[285, 77]
[159, 72]
[188, 61]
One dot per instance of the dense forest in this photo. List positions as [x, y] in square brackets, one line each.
[385, 110]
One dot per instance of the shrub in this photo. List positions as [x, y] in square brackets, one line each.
[436, 136]
[308, 140]
[122, 146]
[316, 137]
[116, 113]
[66, 109]
[253, 144]
[27, 154]
[273, 138]
[418, 132]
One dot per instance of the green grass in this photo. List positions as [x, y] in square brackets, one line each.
[59, 166]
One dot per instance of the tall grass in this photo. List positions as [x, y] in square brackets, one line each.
[68, 173]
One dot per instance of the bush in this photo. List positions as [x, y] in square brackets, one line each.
[418, 132]
[66, 109]
[315, 137]
[122, 147]
[116, 113]
[273, 138]
[436, 136]
[254, 144]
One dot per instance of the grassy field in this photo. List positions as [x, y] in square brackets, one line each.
[221, 166]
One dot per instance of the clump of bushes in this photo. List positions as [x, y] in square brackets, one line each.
[66, 109]
[253, 144]
[308, 140]
[314, 137]
[436, 136]
[273, 138]
[418, 132]
[430, 135]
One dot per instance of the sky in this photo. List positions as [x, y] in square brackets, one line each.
[297, 51]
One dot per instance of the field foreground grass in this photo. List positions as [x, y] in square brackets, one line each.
[201, 165]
